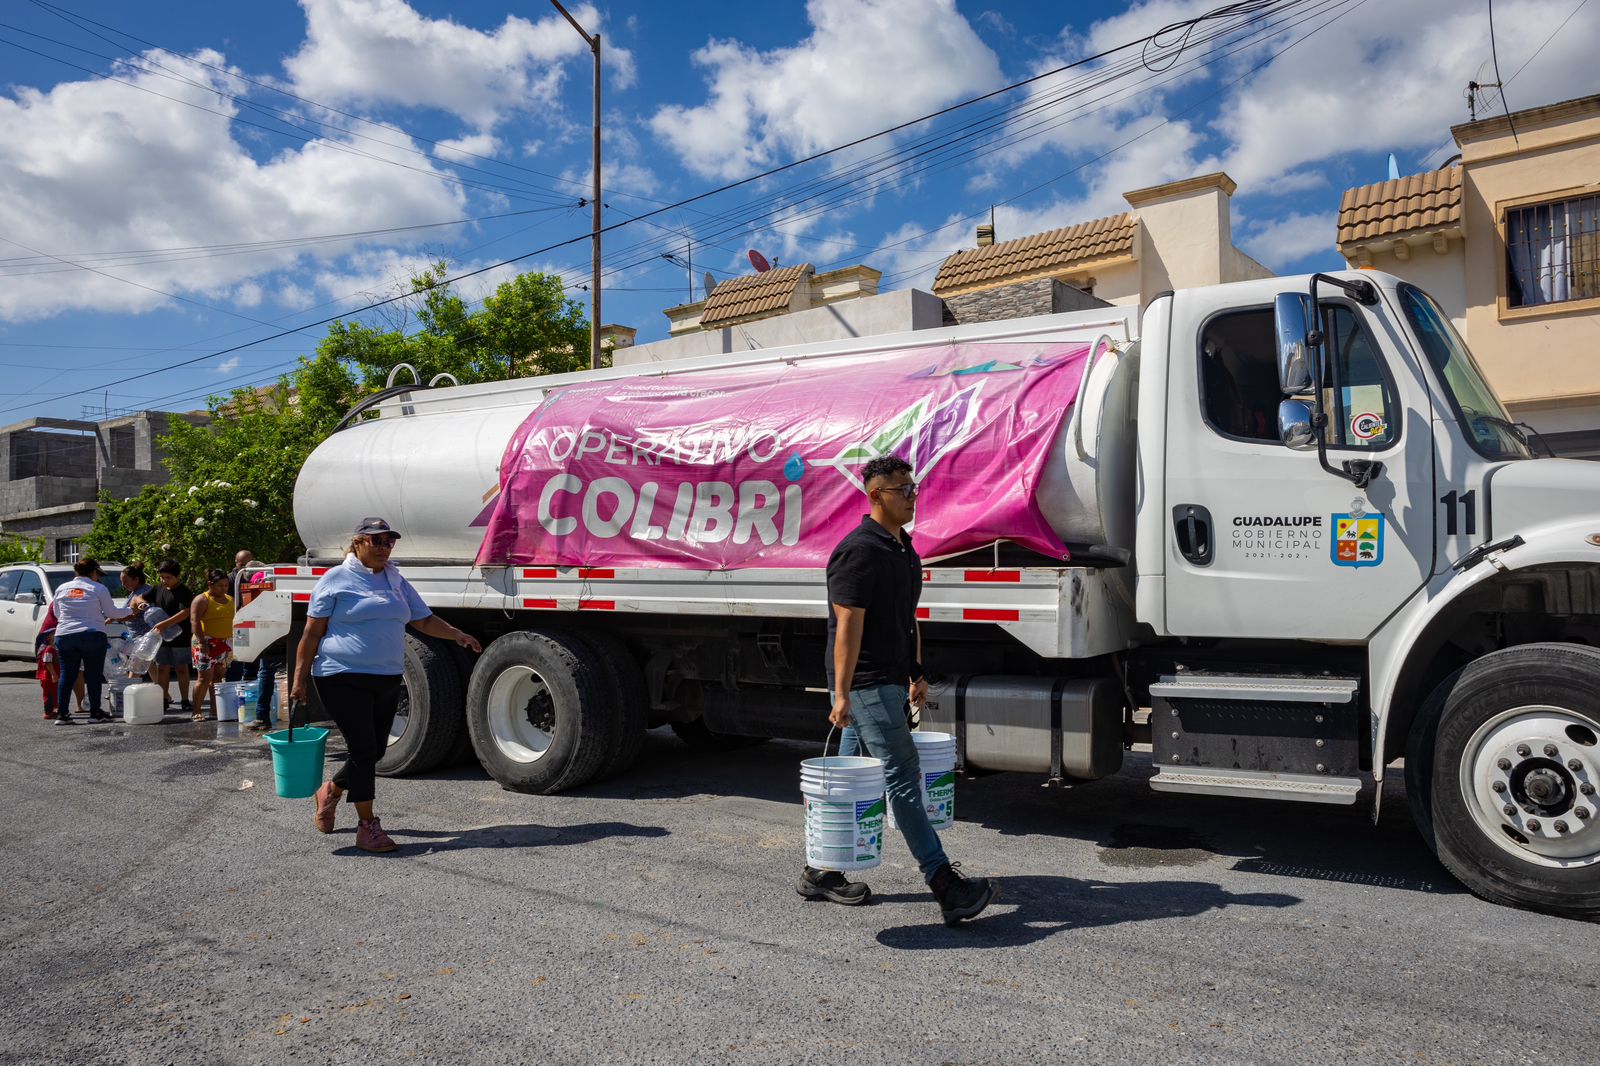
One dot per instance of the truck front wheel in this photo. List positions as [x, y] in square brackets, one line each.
[538, 712]
[1516, 765]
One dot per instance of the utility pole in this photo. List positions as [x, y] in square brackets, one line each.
[593, 40]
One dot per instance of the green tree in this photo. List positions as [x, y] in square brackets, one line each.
[15, 549]
[232, 481]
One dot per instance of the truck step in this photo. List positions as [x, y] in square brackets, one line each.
[1257, 784]
[1257, 689]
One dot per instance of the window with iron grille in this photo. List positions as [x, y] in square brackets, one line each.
[1553, 252]
[68, 551]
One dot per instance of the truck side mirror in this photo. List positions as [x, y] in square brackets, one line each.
[1294, 425]
[1291, 313]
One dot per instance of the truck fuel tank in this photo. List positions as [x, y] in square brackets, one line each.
[1066, 726]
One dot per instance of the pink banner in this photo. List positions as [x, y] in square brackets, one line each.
[760, 466]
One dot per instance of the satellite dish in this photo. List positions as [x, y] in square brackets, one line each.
[710, 282]
[759, 261]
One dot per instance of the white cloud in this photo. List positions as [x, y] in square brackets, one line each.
[373, 52]
[867, 65]
[1286, 241]
[96, 165]
[228, 365]
[475, 144]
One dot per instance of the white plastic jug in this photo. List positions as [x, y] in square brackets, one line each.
[141, 704]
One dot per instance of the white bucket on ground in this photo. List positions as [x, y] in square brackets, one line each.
[844, 812]
[937, 754]
[228, 701]
[116, 688]
[141, 704]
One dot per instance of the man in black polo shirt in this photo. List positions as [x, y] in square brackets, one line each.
[874, 664]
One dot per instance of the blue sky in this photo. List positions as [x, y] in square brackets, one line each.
[181, 178]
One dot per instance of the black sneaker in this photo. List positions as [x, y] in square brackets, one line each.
[832, 885]
[99, 716]
[959, 897]
[66, 719]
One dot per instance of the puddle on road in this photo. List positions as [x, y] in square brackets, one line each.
[1146, 846]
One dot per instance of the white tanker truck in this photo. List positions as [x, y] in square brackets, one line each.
[1288, 517]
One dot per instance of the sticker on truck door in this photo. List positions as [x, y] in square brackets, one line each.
[1357, 541]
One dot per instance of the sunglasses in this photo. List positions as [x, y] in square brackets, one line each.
[384, 540]
[907, 491]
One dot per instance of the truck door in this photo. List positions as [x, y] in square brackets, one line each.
[1261, 541]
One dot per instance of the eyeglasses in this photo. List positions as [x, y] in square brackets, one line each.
[908, 491]
[383, 540]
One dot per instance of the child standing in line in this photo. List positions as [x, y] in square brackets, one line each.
[47, 670]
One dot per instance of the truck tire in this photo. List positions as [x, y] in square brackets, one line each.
[1528, 720]
[698, 736]
[629, 697]
[463, 752]
[539, 712]
[432, 710]
[1419, 759]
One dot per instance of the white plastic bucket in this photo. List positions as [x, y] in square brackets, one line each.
[937, 754]
[844, 812]
[116, 688]
[228, 702]
[141, 704]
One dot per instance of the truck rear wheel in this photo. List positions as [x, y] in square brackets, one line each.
[432, 711]
[630, 699]
[1516, 765]
[538, 712]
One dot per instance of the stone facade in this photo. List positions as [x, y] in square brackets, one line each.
[1042, 296]
[55, 470]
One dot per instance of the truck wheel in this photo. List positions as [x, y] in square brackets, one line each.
[431, 711]
[1516, 767]
[538, 712]
[463, 752]
[698, 736]
[629, 697]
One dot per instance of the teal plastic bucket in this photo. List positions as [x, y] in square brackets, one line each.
[297, 757]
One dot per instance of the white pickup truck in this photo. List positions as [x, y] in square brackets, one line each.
[25, 591]
[1298, 526]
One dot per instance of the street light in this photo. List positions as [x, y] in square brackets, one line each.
[594, 282]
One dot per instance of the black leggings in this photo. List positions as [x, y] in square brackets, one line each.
[363, 707]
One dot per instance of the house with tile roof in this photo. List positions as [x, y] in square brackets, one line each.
[1174, 236]
[1507, 239]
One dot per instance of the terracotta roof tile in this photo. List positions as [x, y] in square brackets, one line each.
[752, 294]
[1388, 208]
[1055, 250]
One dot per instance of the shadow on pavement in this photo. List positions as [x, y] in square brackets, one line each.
[1033, 908]
[528, 835]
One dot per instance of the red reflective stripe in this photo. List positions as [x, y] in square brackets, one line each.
[923, 612]
[979, 614]
[318, 571]
[539, 573]
[543, 605]
[244, 625]
[597, 605]
[285, 571]
[1010, 577]
[302, 597]
[598, 575]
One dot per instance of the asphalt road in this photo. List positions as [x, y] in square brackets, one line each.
[162, 905]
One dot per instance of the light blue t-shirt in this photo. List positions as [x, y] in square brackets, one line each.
[367, 615]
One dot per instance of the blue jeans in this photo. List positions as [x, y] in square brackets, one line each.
[878, 726]
[267, 674]
[85, 651]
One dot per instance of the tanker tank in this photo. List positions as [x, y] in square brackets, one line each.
[429, 462]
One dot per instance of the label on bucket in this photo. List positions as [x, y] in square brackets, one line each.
[869, 829]
[940, 790]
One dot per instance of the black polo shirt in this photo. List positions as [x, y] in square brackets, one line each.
[872, 568]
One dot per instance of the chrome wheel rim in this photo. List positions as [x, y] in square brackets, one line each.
[402, 717]
[521, 714]
[1529, 777]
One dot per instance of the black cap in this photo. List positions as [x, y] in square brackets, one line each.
[372, 525]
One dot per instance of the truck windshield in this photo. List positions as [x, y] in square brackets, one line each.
[1489, 429]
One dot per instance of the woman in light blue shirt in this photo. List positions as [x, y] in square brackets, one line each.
[353, 653]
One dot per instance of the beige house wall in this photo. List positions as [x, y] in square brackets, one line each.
[1544, 358]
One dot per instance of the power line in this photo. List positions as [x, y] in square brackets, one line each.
[1251, 7]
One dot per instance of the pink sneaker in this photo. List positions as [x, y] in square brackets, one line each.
[325, 804]
[371, 837]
